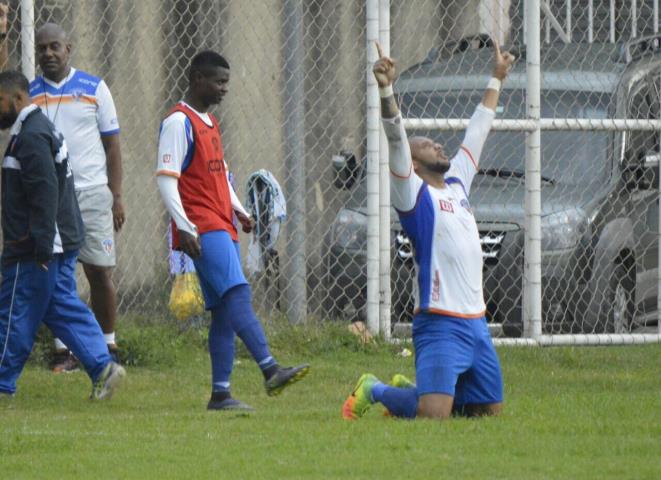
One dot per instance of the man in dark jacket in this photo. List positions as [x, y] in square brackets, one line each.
[42, 232]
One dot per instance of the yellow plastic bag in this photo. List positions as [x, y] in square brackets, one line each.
[186, 299]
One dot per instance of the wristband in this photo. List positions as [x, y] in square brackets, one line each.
[494, 84]
[385, 92]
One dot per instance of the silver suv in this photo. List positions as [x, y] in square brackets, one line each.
[599, 189]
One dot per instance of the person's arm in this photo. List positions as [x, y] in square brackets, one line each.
[106, 116]
[4, 48]
[39, 181]
[404, 182]
[173, 147]
[480, 122]
[114, 164]
[246, 220]
[168, 186]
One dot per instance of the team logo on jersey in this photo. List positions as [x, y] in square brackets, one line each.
[76, 95]
[167, 158]
[107, 246]
[446, 206]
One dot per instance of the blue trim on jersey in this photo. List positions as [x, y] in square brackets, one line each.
[451, 180]
[401, 213]
[80, 82]
[110, 133]
[418, 224]
[191, 145]
[424, 246]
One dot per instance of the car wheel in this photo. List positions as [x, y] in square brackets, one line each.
[620, 304]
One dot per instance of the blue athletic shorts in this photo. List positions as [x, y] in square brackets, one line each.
[455, 356]
[219, 266]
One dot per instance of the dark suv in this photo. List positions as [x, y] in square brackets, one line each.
[600, 206]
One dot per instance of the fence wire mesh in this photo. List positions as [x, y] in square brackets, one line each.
[599, 200]
[296, 108]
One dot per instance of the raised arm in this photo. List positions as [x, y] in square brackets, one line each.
[404, 183]
[480, 123]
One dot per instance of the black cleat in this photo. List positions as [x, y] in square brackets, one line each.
[283, 377]
[229, 404]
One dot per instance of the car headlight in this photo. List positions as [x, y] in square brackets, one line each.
[349, 230]
[563, 230]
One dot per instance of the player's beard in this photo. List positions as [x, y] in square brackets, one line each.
[438, 167]
[8, 118]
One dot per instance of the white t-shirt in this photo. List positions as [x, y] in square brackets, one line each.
[440, 222]
[82, 108]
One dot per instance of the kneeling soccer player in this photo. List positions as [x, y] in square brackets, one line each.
[456, 363]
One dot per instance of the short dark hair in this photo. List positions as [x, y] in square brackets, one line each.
[14, 80]
[205, 60]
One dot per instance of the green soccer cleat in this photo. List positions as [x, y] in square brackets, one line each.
[400, 381]
[360, 400]
[107, 382]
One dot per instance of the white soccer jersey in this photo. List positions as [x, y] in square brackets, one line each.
[82, 108]
[440, 222]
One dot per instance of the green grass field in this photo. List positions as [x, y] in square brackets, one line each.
[570, 413]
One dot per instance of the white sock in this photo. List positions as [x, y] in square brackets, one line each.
[59, 345]
[110, 338]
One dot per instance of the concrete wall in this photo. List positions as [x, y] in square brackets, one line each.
[142, 49]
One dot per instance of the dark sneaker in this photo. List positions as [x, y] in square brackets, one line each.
[284, 377]
[64, 362]
[108, 381]
[229, 404]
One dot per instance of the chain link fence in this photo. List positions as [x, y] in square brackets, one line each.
[599, 187]
[297, 108]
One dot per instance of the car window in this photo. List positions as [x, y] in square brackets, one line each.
[569, 157]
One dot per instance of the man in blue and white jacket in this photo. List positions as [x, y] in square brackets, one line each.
[42, 231]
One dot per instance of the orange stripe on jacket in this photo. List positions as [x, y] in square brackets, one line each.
[451, 314]
[57, 100]
[470, 155]
[168, 173]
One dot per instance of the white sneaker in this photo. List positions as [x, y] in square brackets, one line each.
[108, 381]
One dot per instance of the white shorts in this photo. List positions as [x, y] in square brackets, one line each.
[96, 208]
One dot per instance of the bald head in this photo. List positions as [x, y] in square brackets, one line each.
[52, 30]
[53, 49]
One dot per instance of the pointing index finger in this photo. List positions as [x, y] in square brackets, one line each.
[496, 47]
[379, 50]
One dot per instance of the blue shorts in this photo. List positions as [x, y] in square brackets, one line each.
[455, 356]
[219, 266]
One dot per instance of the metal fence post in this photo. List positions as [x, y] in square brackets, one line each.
[294, 134]
[373, 130]
[27, 39]
[532, 273]
[385, 265]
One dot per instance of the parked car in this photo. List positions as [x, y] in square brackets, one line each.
[600, 197]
